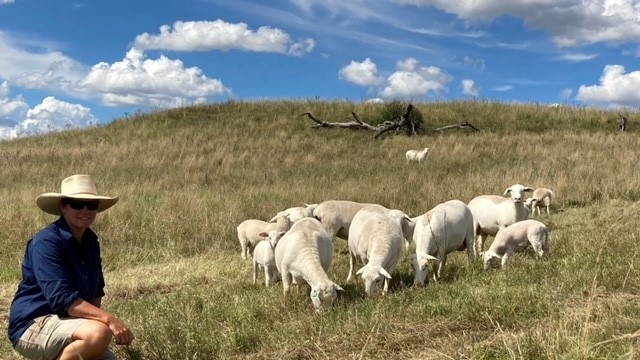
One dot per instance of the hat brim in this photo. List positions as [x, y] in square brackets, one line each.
[50, 202]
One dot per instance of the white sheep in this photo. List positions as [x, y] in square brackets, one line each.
[446, 228]
[416, 155]
[541, 197]
[336, 216]
[264, 256]
[303, 256]
[517, 237]
[376, 237]
[297, 212]
[250, 229]
[493, 212]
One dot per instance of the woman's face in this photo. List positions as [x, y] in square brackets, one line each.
[78, 213]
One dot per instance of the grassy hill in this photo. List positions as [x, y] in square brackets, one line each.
[187, 177]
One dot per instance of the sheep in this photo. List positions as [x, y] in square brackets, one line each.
[493, 212]
[516, 237]
[250, 229]
[541, 197]
[303, 255]
[376, 237]
[416, 155]
[296, 213]
[336, 216]
[264, 256]
[446, 228]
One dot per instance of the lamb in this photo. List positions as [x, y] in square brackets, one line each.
[446, 228]
[541, 197]
[264, 256]
[250, 229]
[517, 237]
[376, 237]
[296, 213]
[416, 155]
[493, 212]
[303, 256]
[336, 216]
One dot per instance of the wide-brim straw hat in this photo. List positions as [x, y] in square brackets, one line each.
[77, 187]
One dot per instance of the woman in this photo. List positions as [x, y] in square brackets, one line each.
[56, 312]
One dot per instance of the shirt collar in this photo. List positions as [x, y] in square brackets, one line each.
[66, 234]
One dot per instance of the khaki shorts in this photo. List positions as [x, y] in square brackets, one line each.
[48, 336]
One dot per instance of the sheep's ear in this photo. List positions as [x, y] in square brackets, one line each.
[507, 191]
[337, 287]
[359, 272]
[432, 258]
[384, 273]
[275, 218]
[264, 234]
[528, 189]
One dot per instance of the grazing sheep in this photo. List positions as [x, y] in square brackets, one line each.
[296, 213]
[493, 212]
[250, 229]
[264, 256]
[516, 237]
[416, 155]
[376, 237]
[541, 197]
[303, 256]
[446, 228]
[336, 216]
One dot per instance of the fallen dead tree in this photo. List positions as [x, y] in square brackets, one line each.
[404, 122]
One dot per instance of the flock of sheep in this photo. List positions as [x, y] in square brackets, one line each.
[296, 245]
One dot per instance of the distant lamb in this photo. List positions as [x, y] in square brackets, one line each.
[517, 237]
[250, 229]
[264, 257]
[541, 197]
[376, 237]
[446, 228]
[493, 212]
[416, 155]
[303, 256]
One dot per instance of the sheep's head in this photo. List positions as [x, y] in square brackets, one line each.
[517, 192]
[324, 295]
[373, 277]
[491, 259]
[421, 263]
[272, 236]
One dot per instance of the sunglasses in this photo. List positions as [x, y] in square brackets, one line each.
[79, 204]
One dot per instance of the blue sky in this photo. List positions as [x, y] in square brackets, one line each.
[67, 64]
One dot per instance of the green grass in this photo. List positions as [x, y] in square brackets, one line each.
[187, 177]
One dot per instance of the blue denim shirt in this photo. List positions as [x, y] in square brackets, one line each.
[57, 270]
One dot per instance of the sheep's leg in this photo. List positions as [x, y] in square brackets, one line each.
[255, 272]
[480, 243]
[505, 257]
[548, 210]
[286, 280]
[243, 252]
[385, 289]
[352, 260]
[441, 265]
[267, 276]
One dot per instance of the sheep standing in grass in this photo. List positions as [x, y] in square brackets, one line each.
[264, 256]
[416, 155]
[296, 213]
[517, 237]
[250, 229]
[541, 197]
[493, 212]
[336, 216]
[446, 228]
[376, 237]
[303, 256]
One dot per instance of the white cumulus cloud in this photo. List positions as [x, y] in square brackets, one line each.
[363, 73]
[221, 35]
[616, 87]
[412, 80]
[469, 87]
[161, 82]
